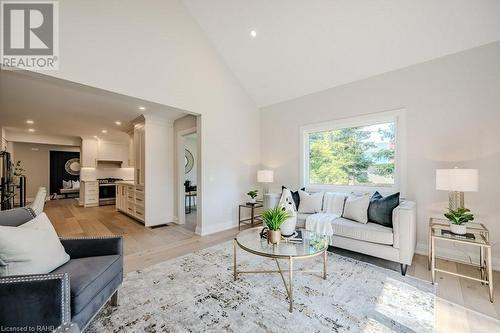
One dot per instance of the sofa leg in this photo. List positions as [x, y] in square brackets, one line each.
[114, 299]
[403, 269]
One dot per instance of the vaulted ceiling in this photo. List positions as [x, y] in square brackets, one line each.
[305, 46]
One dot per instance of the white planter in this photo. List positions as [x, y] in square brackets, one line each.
[253, 200]
[458, 229]
[288, 227]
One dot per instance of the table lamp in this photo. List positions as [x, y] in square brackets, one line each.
[457, 181]
[265, 177]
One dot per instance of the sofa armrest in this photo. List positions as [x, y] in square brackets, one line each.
[34, 303]
[404, 224]
[17, 216]
[83, 247]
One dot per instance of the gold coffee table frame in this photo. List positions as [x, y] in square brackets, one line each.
[277, 257]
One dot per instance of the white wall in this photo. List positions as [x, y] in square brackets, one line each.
[158, 53]
[453, 118]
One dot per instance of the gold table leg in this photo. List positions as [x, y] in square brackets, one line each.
[290, 283]
[433, 260]
[325, 255]
[234, 260]
[490, 273]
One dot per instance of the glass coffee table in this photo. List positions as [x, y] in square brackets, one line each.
[311, 246]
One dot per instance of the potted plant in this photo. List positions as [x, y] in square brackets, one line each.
[458, 217]
[252, 194]
[18, 172]
[274, 218]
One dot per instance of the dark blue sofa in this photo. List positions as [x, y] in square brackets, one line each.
[74, 292]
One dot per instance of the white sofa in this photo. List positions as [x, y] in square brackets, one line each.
[395, 244]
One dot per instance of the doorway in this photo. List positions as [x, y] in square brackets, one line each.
[188, 178]
[64, 174]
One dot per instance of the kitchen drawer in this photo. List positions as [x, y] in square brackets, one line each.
[139, 212]
[91, 190]
[139, 189]
[130, 188]
[91, 200]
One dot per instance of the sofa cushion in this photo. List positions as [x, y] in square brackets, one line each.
[88, 276]
[310, 202]
[31, 248]
[380, 209]
[369, 232]
[356, 208]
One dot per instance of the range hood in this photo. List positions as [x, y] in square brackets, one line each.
[109, 163]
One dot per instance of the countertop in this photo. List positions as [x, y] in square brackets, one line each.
[125, 182]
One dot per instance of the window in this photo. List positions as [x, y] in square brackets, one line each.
[354, 153]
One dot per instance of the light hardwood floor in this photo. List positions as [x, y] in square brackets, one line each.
[462, 305]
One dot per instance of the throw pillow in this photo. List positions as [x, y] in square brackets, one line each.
[67, 184]
[295, 196]
[380, 209]
[356, 208]
[310, 203]
[286, 202]
[31, 248]
[334, 203]
[76, 184]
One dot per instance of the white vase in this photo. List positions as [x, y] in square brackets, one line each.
[458, 229]
[253, 200]
[288, 227]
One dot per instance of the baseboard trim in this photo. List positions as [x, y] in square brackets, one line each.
[212, 229]
[456, 255]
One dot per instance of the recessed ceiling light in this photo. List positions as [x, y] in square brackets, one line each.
[142, 108]
[104, 131]
[118, 122]
[31, 130]
[95, 137]
[29, 121]
[253, 33]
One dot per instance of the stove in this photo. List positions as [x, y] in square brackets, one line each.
[107, 191]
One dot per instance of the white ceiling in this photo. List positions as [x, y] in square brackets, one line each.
[305, 46]
[67, 109]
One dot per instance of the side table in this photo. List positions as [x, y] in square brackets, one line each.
[439, 229]
[253, 217]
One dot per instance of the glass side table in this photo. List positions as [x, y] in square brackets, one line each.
[477, 235]
[254, 218]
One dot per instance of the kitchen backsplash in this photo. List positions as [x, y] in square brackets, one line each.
[95, 173]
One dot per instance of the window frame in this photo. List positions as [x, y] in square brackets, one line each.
[396, 116]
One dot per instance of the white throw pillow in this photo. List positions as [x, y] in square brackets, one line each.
[286, 202]
[76, 184]
[67, 184]
[334, 203]
[310, 203]
[356, 208]
[31, 248]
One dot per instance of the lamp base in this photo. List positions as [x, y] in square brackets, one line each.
[456, 199]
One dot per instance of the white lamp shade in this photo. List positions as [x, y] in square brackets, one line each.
[265, 176]
[460, 180]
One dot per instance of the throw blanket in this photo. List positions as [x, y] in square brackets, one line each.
[321, 223]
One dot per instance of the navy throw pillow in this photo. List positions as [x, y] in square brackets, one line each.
[295, 196]
[380, 208]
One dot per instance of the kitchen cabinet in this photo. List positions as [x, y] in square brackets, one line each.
[90, 191]
[130, 200]
[89, 153]
[139, 154]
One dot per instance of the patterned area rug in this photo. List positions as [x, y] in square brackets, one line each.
[196, 293]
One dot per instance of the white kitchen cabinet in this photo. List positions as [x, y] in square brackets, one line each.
[130, 200]
[89, 153]
[139, 154]
[90, 191]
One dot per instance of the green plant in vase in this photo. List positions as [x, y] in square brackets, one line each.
[458, 217]
[273, 218]
[253, 194]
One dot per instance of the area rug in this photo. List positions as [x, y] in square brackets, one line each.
[196, 293]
